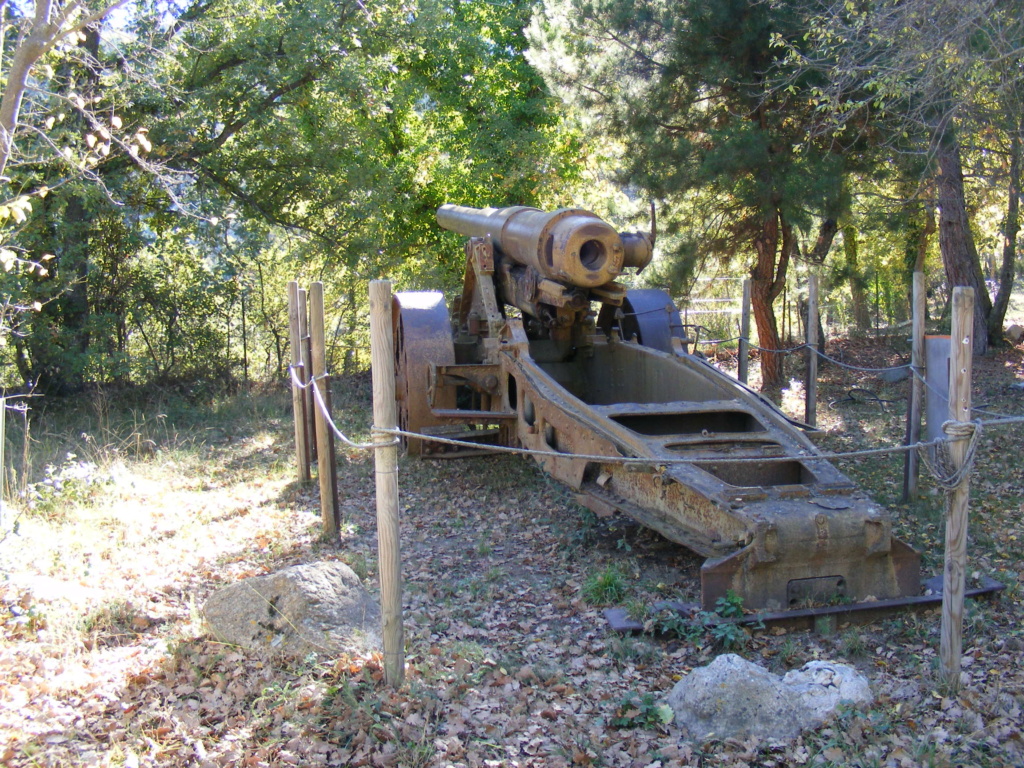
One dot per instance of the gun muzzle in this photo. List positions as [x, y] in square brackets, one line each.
[568, 245]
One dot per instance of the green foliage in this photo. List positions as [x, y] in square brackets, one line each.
[729, 606]
[669, 621]
[641, 711]
[702, 130]
[309, 141]
[728, 636]
[65, 486]
[605, 587]
[719, 626]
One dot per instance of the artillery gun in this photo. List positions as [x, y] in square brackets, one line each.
[545, 350]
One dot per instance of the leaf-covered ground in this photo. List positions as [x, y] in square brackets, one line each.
[104, 659]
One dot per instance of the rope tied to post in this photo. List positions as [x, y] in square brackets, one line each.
[321, 405]
[947, 474]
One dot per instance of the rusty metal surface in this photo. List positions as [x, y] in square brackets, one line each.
[773, 532]
[422, 332]
[807, 618]
[568, 245]
[648, 315]
[778, 533]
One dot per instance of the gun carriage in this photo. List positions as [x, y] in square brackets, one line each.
[545, 350]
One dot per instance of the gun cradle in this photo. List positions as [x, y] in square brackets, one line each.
[576, 388]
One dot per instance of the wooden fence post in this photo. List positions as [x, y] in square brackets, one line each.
[298, 393]
[3, 445]
[324, 433]
[910, 461]
[245, 346]
[811, 388]
[307, 367]
[744, 353]
[954, 575]
[385, 416]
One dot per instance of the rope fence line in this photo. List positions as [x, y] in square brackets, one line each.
[939, 443]
[322, 405]
[642, 461]
[940, 466]
[834, 361]
[718, 341]
[997, 418]
[817, 351]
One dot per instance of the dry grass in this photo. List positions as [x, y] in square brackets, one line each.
[104, 660]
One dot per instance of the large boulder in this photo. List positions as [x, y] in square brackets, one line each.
[317, 607]
[733, 698]
[1015, 334]
[821, 686]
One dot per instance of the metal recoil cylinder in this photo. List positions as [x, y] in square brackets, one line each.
[569, 245]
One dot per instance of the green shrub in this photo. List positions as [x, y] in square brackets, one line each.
[605, 587]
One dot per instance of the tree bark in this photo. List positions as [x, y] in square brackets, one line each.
[767, 279]
[1011, 228]
[49, 26]
[959, 253]
[861, 316]
[28, 52]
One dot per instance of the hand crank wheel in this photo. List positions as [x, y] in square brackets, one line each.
[422, 334]
[649, 315]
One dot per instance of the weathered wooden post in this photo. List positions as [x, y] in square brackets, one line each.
[936, 353]
[298, 394]
[811, 388]
[3, 444]
[955, 573]
[324, 434]
[910, 461]
[307, 367]
[385, 416]
[744, 353]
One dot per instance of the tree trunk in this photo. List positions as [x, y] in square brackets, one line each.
[959, 253]
[1011, 228]
[922, 243]
[767, 279]
[861, 316]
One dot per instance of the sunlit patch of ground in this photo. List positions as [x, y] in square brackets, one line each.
[104, 659]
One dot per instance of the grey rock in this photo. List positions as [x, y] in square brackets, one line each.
[1015, 333]
[733, 698]
[894, 375]
[822, 685]
[316, 607]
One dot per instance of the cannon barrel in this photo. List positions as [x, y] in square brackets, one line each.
[569, 245]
